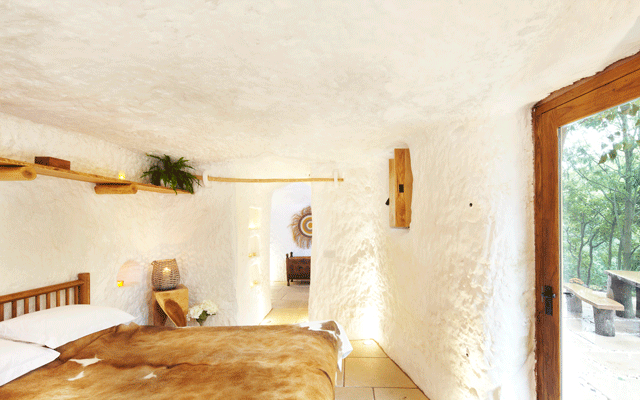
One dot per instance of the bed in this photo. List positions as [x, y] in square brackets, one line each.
[125, 360]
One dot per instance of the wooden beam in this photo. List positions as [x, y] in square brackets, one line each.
[269, 180]
[115, 188]
[17, 173]
[613, 72]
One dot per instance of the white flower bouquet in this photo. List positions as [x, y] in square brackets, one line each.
[200, 312]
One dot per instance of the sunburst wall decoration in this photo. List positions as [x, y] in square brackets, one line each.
[302, 227]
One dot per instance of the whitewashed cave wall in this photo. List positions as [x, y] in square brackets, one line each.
[458, 314]
[251, 285]
[51, 229]
[451, 299]
[286, 202]
[349, 248]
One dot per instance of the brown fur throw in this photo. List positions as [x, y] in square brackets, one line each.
[141, 362]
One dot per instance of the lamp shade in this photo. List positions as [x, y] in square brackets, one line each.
[130, 273]
[165, 274]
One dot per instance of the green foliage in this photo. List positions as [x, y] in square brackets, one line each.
[620, 117]
[171, 174]
[601, 194]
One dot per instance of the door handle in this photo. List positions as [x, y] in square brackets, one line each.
[548, 296]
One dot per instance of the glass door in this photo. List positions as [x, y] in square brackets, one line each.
[600, 255]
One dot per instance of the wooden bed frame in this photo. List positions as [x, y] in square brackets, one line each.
[79, 291]
[236, 361]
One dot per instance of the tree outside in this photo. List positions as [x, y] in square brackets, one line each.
[601, 195]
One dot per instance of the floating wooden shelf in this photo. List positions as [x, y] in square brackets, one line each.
[104, 185]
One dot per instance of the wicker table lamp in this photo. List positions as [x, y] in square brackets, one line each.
[165, 274]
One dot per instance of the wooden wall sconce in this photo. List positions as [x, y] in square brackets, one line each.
[400, 189]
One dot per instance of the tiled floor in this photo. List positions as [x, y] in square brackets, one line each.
[598, 367]
[367, 374]
[290, 304]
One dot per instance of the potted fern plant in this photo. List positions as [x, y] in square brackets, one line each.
[173, 174]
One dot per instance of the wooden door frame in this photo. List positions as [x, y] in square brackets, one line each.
[618, 83]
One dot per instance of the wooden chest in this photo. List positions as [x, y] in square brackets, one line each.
[298, 268]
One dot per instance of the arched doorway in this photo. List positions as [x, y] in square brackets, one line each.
[285, 203]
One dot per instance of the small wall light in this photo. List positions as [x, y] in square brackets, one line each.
[254, 218]
[129, 274]
[121, 175]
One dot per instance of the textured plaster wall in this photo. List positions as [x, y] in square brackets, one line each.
[459, 304]
[349, 248]
[450, 299]
[51, 229]
[286, 202]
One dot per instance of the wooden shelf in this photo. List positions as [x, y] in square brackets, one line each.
[102, 181]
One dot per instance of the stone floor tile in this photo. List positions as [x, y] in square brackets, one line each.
[366, 348]
[275, 304]
[398, 394]
[286, 316]
[298, 295]
[375, 372]
[354, 393]
[277, 293]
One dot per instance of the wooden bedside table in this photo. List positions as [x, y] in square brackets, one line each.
[170, 303]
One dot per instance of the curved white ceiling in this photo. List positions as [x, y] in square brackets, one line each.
[219, 80]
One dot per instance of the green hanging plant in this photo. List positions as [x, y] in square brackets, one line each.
[165, 172]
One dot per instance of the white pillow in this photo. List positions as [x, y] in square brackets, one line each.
[57, 326]
[16, 359]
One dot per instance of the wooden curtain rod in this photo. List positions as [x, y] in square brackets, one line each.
[217, 179]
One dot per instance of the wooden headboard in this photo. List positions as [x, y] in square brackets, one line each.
[76, 292]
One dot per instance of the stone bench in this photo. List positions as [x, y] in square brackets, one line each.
[603, 307]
